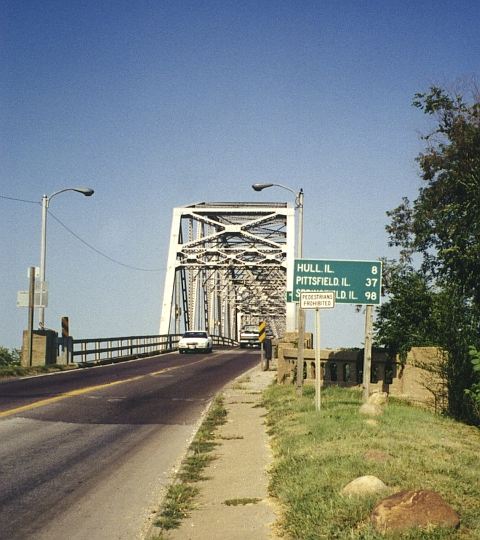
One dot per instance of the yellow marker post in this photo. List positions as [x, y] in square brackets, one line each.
[262, 334]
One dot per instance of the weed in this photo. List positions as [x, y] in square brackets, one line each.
[239, 384]
[243, 502]
[177, 505]
[179, 500]
[193, 467]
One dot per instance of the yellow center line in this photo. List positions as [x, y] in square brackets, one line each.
[86, 390]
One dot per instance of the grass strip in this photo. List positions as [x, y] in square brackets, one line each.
[22, 371]
[179, 500]
[318, 453]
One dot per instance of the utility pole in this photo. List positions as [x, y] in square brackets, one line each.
[301, 312]
[88, 192]
[43, 259]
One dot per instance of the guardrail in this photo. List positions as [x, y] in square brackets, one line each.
[112, 349]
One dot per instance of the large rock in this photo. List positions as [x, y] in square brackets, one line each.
[408, 509]
[364, 485]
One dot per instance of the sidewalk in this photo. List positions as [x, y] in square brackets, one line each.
[239, 475]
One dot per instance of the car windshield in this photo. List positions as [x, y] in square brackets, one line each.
[195, 334]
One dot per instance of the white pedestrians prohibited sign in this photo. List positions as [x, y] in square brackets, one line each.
[317, 300]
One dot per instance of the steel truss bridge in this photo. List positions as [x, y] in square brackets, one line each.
[229, 264]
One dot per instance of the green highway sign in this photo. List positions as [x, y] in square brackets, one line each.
[354, 282]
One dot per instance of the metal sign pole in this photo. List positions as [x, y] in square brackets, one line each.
[300, 351]
[318, 367]
[317, 301]
[31, 309]
[367, 358]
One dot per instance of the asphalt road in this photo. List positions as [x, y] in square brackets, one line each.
[87, 453]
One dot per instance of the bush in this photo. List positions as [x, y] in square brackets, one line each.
[474, 391]
[9, 357]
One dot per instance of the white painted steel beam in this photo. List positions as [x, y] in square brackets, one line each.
[238, 259]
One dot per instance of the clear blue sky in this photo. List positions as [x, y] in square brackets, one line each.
[158, 104]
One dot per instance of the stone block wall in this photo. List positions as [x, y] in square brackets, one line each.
[417, 380]
[44, 350]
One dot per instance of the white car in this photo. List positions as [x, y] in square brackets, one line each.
[195, 340]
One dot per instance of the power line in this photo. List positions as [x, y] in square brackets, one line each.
[84, 241]
[19, 200]
[100, 252]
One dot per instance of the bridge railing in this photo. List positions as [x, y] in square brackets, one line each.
[111, 349]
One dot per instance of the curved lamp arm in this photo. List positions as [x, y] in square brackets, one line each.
[88, 192]
[298, 196]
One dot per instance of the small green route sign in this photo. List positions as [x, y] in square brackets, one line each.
[354, 282]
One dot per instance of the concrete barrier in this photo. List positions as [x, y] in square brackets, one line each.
[417, 380]
[44, 350]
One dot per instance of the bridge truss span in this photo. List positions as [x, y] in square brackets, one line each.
[229, 264]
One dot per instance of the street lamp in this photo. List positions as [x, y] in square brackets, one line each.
[88, 192]
[298, 204]
[300, 313]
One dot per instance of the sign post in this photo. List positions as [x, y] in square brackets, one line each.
[317, 301]
[367, 355]
[318, 363]
[31, 301]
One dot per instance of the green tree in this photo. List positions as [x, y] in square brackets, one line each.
[457, 331]
[407, 319]
[443, 225]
